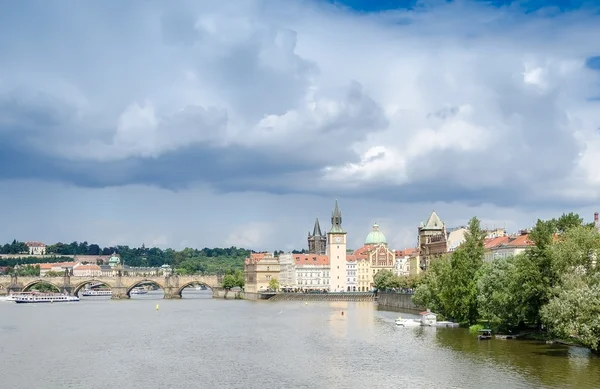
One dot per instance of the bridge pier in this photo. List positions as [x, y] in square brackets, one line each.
[119, 292]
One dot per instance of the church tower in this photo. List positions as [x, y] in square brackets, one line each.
[317, 242]
[336, 243]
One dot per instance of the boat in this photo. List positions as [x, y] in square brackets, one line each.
[46, 298]
[484, 334]
[96, 292]
[400, 322]
[13, 296]
[138, 290]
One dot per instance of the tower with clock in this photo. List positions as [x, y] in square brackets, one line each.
[336, 241]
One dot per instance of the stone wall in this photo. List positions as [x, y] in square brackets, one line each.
[397, 301]
[323, 297]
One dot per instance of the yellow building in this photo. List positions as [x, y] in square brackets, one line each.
[260, 269]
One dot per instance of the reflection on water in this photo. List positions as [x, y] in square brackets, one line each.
[210, 343]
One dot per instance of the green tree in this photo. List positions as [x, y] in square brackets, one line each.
[229, 281]
[575, 310]
[274, 284]
[385, 279]
[499, 290]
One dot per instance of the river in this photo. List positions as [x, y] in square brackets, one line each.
[200, 342]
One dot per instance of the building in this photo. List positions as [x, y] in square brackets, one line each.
[312, 272]
[287, 271]
[373, 257]
[80, 270]
[336, 241]
[114, 260]
[506, 246]
[317, 241]
[36, 248]
[456, 237]
[351, 284]
[403, 261]
[58, 267]
[432, 241]
[259, 270]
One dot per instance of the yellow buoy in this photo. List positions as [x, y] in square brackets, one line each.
[157, 307]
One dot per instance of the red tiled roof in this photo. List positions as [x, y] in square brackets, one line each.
[35, 244]
[311, 259]
[521, 240]
[406, 252]
[493, 242]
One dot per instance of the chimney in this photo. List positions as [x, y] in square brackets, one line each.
[596, 220]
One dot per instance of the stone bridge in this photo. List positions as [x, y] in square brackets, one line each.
[172, 285]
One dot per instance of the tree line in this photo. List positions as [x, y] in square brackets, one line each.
[553, 286]
[187, 261]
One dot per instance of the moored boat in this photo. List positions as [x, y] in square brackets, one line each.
[45, 298]
[485, 334]
[138, 290]
[96, 292]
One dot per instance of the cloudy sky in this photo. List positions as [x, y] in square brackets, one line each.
[205, 123]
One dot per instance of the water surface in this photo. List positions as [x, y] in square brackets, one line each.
[200, 342]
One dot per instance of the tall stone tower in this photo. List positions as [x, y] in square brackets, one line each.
[336, 242]
[317, 241]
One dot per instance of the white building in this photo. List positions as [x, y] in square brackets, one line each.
[312, 271]
[351, 283]
[456, 237]
[506, 246]
[36, 248]
[287, 277]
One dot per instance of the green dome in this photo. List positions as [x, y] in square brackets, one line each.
[375, 236]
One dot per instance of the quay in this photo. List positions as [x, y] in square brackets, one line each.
[345, 296]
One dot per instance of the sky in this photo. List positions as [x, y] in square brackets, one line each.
[209, 124]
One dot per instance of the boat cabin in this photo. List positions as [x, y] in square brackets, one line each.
[428, 318]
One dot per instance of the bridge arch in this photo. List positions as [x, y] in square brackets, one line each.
[80, 285]
[40, 281]
[191, 283]
[145, 281]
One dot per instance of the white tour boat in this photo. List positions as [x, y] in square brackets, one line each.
[13, 296]
[45, 298]
[138, 290]
[96, 292]
[400, 322]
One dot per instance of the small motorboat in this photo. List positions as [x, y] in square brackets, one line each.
[485, 334]
[400, 322]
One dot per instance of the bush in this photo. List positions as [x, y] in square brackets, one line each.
[475, 328]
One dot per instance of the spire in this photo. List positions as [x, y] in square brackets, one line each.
[317, 228]
[336, 219]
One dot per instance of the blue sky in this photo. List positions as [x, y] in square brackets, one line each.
[237, 123]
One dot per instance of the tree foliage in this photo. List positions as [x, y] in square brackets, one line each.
[274, 284]
[186, 261]
[451, 285]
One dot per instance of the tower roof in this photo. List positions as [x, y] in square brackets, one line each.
[375, 236]
[434, 222]
[336, 219]
[317, 228]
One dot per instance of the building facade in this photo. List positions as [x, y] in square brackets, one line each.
[312, 272]
[36, 248]
[506, 246]
[259, 270]
[432, 241]
[351, 284]
[373, 257]
[336, 242]
[287, 271]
